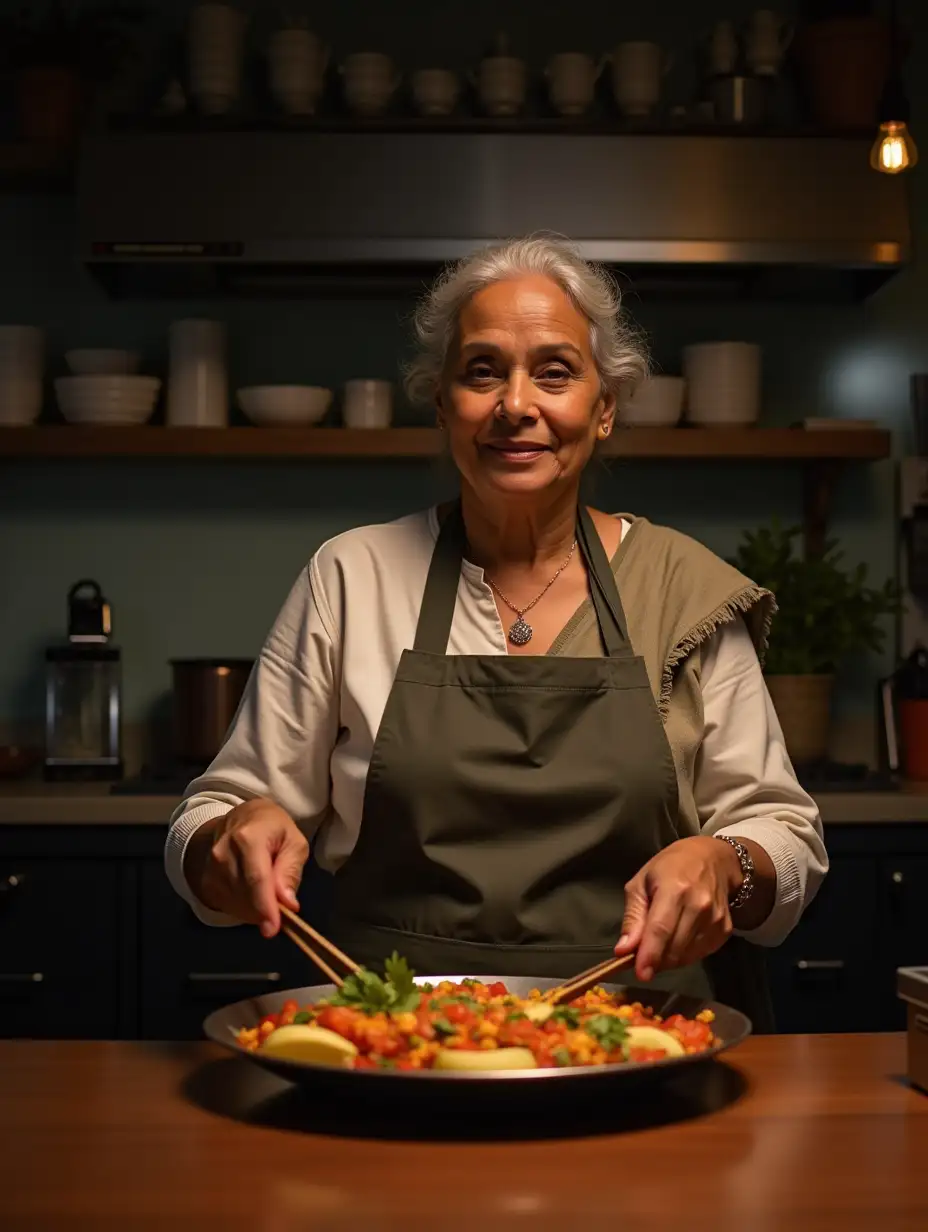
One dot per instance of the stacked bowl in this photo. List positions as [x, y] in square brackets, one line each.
[100, 397]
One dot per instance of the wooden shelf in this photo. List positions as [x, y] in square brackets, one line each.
[289, 444]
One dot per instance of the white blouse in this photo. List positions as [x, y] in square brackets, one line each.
[305, 730]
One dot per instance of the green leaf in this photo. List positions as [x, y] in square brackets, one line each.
[562, 1056]
[608, 1030]
[827, 612]
[443, 1026]
[301, 1017]
[366, 991]
[566, 1015]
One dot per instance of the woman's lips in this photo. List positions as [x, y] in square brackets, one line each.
[524, 453]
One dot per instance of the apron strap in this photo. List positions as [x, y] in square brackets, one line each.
[441, 586]
[610, 614]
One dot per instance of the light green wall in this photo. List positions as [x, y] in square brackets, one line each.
[195, 557]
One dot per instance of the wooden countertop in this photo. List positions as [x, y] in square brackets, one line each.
[80, 804]
[807, 1133]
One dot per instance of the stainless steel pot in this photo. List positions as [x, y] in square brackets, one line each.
[206, 696]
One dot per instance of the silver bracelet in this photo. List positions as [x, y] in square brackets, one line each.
[746, 889]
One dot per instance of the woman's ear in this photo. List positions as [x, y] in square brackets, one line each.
[606, 415]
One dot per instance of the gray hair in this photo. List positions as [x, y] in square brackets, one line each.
[618, 350]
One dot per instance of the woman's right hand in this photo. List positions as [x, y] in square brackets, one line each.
[247, 861]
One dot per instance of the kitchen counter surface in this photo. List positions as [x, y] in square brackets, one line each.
[38, 803]
[812, 1133]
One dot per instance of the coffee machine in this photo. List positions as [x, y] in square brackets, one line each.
[83, 693]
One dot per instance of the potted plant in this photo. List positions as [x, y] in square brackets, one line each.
[57, 53]
[843, 51]
[826, 612]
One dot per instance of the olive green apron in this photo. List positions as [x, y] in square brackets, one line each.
[509, 799]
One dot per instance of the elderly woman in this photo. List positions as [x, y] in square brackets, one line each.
[522, 733]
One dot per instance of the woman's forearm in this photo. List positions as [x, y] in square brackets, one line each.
[758, 907]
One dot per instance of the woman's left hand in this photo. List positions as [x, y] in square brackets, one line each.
[676, 906]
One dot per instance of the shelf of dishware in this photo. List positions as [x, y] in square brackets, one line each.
[380, 444]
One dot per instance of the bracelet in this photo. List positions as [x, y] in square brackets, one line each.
[746, 889]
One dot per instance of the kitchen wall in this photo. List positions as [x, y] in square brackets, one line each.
[195, 557]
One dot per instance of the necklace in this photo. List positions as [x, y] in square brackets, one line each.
[520, 631]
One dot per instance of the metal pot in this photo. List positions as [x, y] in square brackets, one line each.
[206, 696]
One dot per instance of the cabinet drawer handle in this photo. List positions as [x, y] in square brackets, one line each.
[21, 977]
[226, 977]
[820, 964]
[11, 883]
[898, 878]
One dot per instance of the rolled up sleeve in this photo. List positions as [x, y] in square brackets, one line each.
[745, 785]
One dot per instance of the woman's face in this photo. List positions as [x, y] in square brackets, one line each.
[520, 396]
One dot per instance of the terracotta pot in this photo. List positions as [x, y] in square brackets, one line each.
[844, 63]
[51, 103]
[803, 706]
[913, 735]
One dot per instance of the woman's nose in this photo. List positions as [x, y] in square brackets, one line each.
[518, 399]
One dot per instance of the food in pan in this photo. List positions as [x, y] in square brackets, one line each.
[390, 1022]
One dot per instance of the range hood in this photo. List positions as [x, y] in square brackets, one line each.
[307, 213]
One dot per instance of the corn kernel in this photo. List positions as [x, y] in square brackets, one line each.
[407, 1022]
[488, 1042]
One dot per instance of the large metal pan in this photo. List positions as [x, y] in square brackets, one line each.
[731, 1027]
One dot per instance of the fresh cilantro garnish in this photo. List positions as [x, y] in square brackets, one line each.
[562, 1056]
[569, 1017]
[394, 993]
[302, 1016]
[443, 1026]
[610, 1032]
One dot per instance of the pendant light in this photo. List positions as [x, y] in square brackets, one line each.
[894, 150]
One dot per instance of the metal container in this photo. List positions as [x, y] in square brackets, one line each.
[912, 986]
[739, 100]
[206, 696]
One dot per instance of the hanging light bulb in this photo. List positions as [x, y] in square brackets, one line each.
[894, 150]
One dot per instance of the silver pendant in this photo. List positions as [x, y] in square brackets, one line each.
[520, 632]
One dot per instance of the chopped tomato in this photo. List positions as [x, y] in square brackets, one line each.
[341, 1020]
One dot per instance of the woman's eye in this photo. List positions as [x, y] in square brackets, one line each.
[554, 372]
[480, 372]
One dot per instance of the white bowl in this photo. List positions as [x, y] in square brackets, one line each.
[658, 403]
[104, 418]
[102, 362]
[107, 399]
[284, 406]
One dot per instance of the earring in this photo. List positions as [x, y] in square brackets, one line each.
[604, 429]
[440, 424]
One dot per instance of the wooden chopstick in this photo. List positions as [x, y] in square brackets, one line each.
[585, 980]
[300, 926]
[311, 954]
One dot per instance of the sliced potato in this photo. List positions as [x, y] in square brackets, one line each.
[538, 1011]
[653, 1038]
[305, 1042]
[490, 1058]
